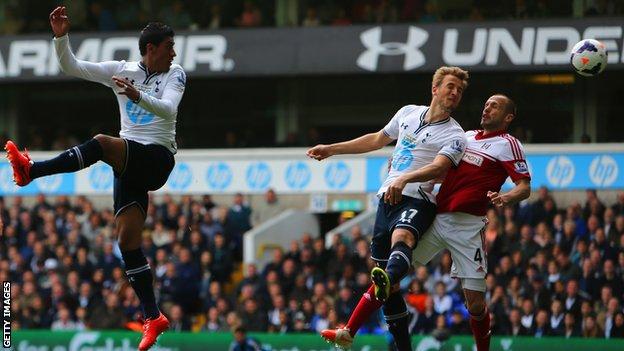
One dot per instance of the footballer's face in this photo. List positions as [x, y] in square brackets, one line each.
[449, 93]
[161, 55]
[495, 115]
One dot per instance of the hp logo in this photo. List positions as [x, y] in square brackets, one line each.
[297, 175]
[49, 184]
[258, 175]
[219, 175]
[337, 175]
[180, 177]
[6, 179]
[137, 114]
[560, 171]
[371, 39]
[603, 170]
[101, 177]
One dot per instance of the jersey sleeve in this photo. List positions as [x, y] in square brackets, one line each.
[454, 147]
[513, 160]
[392, 128]
[100, 72]
[167, 106]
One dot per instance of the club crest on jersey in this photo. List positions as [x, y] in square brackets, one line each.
[521, 167]
[473, 159]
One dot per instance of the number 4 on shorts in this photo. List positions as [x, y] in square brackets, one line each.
[478, 256]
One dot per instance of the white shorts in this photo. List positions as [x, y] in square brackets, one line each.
[462, 234]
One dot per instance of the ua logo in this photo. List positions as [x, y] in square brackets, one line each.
[371, 39]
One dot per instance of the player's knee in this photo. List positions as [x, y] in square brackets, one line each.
[476, 307]
[405, 237]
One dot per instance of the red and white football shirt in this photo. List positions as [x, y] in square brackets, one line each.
[485, 166]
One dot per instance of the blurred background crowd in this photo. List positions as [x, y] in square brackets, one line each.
[552, 270]
[30, 16]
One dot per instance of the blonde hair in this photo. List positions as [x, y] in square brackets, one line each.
[443, 71]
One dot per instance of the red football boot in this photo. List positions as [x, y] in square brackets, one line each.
[151, 330]
[20, 162]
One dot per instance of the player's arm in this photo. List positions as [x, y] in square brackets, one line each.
[521, 191]
[164, 107]
[436, 169]
[514, 162]
[365, 143]
[96, 72]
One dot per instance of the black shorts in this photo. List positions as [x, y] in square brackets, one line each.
[413, 214]
[147, 169]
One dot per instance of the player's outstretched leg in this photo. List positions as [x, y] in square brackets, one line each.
[397, 317]
[479, 318]
[129, 224]
[71, 160]
[343, 337]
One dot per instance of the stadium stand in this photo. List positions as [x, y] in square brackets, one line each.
[554, 271]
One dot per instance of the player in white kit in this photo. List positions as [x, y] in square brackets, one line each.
[429, 142]
[491, 156]
[148, 93]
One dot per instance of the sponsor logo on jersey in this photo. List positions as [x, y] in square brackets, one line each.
[473, 159]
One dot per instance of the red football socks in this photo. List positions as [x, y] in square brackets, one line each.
[481, 330]
[364, 309]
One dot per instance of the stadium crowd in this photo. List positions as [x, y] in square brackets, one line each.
[30, 16]
[553, 271]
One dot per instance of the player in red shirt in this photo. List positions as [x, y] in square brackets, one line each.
[491, 156]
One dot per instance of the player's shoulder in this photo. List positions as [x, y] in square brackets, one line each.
[454, 128]
[407, 109]
[176, 68]
[511, 147]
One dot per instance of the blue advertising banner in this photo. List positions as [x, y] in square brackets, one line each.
[293, 173]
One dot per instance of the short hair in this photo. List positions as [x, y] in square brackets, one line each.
[443, 71]
[510, 105]
[154, 33]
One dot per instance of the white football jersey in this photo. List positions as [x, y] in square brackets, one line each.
[152, 120]
[418, 143]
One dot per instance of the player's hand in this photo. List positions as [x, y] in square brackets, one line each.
[126, 88]
[319, 152]
[59, 21]
[394, 193]
[498, 199]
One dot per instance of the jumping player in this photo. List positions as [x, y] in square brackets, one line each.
[148, 93]
[429, 143]
[491, 156]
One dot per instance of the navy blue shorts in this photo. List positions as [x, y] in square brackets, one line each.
[147, 169]
[413, 214]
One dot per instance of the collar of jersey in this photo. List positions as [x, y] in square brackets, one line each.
[480, 135]
[148, 75]
[424, 124]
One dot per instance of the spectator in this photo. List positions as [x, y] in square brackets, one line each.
[64, 321]
[109, 315]
[268, 209]
[177, 319]
[242, 342]
[311, 18]
[251, 15]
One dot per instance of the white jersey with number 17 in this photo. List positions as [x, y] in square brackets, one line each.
[418, 143]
